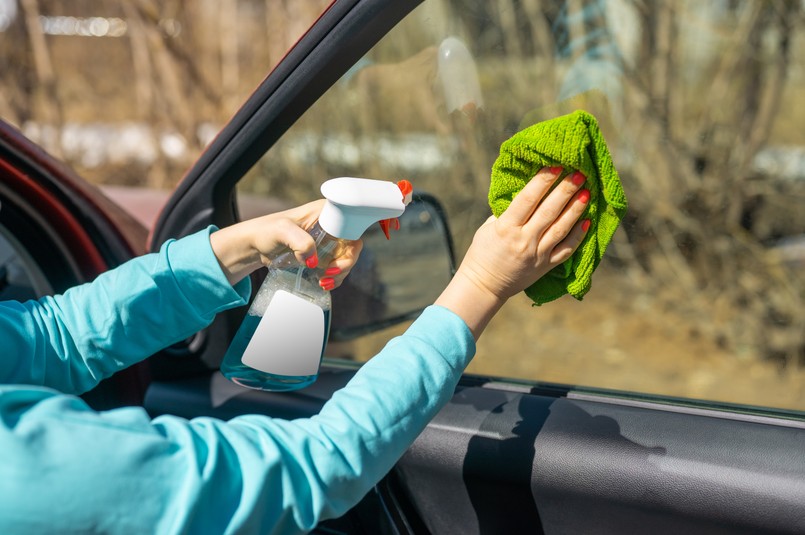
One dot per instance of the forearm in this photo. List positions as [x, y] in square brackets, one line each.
[253, 474]
[72, 341]
[234, 251]
[470, 302]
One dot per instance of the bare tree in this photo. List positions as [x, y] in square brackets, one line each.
[695, 196]
[46, 96]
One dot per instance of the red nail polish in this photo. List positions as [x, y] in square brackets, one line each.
[584, 196]
[327, 284]
[312, 261]
[585, 225]
[556, 169]
[578, 179]
[332, 271]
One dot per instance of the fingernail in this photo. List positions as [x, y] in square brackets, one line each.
[327, 283]
[584, 196]
[585, 225]
[312, 261]
[332, 271]
[577, 178]
[557, 169]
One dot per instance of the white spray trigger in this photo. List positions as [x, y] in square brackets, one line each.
[354, 204]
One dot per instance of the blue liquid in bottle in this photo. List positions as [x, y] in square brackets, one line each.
[239, 373]
[288, 280]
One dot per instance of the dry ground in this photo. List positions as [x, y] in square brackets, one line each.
[613, 340]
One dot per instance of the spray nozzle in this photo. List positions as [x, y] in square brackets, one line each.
[353, 204]
[407, 190]
[387, 224]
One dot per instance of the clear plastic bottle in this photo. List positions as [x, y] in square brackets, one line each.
[280, 344]
[259, 367]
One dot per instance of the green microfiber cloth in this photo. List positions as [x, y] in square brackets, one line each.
[574, 142]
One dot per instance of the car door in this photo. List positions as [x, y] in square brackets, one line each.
[518, 455]
[57, 231]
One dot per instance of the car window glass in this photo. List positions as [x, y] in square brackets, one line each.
[700, 294]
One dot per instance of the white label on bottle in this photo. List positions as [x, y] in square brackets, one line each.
[289, 338]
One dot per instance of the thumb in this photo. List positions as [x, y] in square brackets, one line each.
[302, 245]
[287, 234]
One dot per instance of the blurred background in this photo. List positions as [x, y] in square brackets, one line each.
[702, 103]
[129, 92]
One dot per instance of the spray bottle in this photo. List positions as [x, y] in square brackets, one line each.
[282, 339]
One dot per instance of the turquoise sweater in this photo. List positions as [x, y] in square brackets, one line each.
[65, 468]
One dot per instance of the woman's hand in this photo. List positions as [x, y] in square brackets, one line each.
[249, 245]
[538, 231]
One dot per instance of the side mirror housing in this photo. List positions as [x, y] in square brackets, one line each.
[394, 280]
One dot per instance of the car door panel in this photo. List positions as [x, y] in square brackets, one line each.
[598, 464]
[508, 458]
[668, 471]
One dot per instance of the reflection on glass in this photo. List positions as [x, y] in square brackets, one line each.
[459, 78]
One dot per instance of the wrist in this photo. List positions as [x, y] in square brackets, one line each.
[235, 252]
[472, 302]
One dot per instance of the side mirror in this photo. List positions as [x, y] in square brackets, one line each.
[394, 280]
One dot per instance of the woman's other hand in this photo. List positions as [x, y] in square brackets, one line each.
[538, 231]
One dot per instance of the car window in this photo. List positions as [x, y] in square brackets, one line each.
[700, 294]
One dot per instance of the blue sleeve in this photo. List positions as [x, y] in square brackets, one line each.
[72, 341]
[120, 472]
